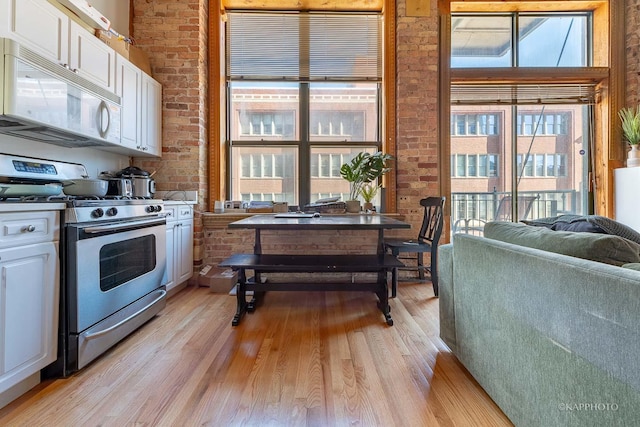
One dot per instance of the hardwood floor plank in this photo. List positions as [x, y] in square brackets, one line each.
[301, 359]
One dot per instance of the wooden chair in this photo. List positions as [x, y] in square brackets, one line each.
[427, 241]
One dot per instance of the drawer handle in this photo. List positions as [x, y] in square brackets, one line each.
[29, 228]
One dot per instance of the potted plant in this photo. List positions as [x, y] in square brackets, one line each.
[368, 193]
[630, 118]
[361, 170]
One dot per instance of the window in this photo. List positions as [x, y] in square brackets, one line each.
[545, 114]
[543, 40]
[303, 95]
[271, 124]
[474, 165]
[543, 124]
[547, 165]
[474, 124]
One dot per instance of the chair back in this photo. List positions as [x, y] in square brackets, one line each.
[431, 228]
[525, 203]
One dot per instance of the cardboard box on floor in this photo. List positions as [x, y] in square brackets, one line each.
[135, 55]
[218, 280]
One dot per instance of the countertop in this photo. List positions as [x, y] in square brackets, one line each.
[179, 202]
[30, 206]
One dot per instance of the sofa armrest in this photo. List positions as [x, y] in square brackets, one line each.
[446, 296]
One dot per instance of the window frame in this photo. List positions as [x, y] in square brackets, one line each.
[306, 141]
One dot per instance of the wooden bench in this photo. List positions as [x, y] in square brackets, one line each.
[266, 263]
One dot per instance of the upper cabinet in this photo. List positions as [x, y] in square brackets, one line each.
[151, 116]
[46, 30]
[141, 109]
[39, 26]
[129, 88]
[91, 58]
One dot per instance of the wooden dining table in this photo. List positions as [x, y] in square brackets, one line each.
[377, 262]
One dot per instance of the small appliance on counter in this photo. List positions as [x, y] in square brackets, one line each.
[142, 183]
[130, 182]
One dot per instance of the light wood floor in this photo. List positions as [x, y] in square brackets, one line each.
[302, 359]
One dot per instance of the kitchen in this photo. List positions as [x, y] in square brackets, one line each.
[43, 230]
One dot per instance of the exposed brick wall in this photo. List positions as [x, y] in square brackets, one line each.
[633, 51]
[174, 35]
[417, 111]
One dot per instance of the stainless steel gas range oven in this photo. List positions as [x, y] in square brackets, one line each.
[112, 258]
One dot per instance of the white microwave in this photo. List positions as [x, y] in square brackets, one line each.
[46, 102]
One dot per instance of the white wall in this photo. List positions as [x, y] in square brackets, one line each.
[94, 160]
[116, 11]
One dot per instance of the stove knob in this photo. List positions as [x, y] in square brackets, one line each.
[112, 211]
[97, 213]
[150, 209]
[158, 208]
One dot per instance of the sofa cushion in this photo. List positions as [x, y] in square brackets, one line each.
[582, 226]
[614, 227]
[549, 222]
[604, 248]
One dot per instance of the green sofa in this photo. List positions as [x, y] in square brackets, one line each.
[553, 339]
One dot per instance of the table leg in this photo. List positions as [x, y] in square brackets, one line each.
[383, 297]
[241, 297]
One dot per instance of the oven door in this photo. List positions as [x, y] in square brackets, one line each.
[112, 265]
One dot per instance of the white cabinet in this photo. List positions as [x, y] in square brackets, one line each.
[39, 26]
[179, 244]
[29, 295]
[129, 88]
[45, 29]
[141, 109]
[626, 201]
[90, 58]
[151, 116]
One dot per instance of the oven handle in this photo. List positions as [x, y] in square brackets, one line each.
[122, 322]
[124, 226]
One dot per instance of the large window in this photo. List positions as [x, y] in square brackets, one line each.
[303, 97]
[537, 127]
[542, 40]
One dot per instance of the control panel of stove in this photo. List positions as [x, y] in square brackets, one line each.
[105, 210]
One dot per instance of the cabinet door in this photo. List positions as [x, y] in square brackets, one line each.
[151, 116]
[41, 27]
[184, 251]
[169, 279]
[28, 310]
[129, 88]
[91, 58]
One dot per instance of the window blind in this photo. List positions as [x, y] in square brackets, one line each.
[304, 46]
[522, 94]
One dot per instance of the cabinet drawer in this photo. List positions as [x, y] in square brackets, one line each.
[23, 228]
[185, 212]
[171, 213]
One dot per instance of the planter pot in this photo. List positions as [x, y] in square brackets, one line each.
[633, 157]
[353, 206]
[367, 206]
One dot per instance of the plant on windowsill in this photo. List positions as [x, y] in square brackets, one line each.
[630, 118]
[363, 169]
[368, 193]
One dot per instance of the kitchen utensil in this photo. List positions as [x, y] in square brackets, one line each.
[120, 187]
[143, 186]
[85, 187]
